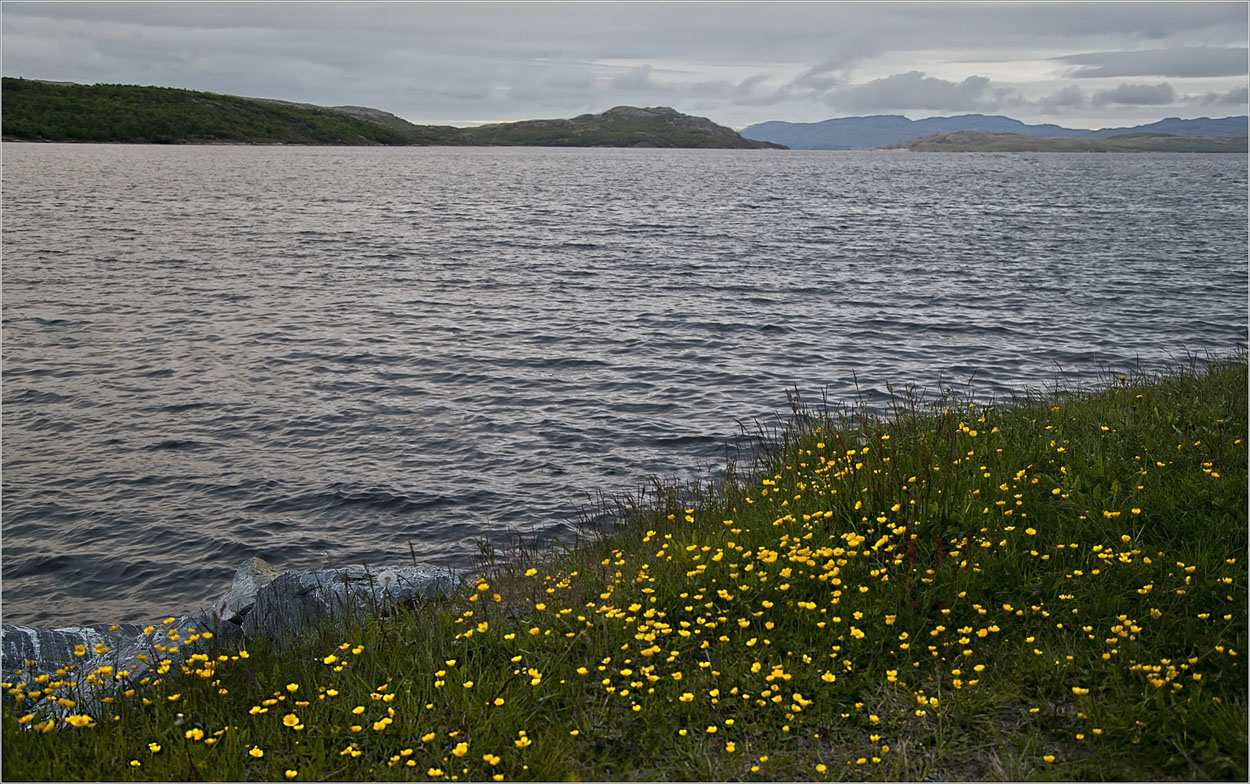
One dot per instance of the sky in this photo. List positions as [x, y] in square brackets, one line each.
[1076, 64]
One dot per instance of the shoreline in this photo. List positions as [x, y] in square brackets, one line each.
[1057, 621]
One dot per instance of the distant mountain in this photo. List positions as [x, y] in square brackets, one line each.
[59, 111]
[890, 130]
[621, 126]
[1142, 141]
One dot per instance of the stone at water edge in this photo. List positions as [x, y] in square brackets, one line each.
[297, 600]
[53, 648]
[268, 606]
[252, 575]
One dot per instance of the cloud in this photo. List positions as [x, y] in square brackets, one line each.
[1238, 96]
[636, 79]
[738, 62]
[1182, 62]
[1070, 97]
[1135, 95]
[913, 90]
[819, 77]
[753, 91]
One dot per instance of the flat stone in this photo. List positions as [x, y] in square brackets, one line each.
[297, 600]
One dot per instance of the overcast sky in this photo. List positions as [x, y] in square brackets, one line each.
[1081, 64]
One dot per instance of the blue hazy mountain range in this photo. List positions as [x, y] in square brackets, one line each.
[886, 130]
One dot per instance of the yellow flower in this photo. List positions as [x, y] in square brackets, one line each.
[1049, 758]
[461, 749]
[194, 734]
[79, 721]
[427, 737]
[154, 747]
[434, 773]
[257, 752]
[135, 763]
[821, 768]
[290, 774]
[292, 687]
[290, 720]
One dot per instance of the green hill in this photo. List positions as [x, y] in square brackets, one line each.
[48, 111]
[51, 111]
[621, 126]
[1146, 141]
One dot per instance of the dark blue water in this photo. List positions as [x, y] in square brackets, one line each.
[325, 356]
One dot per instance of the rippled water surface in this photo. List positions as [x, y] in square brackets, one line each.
[327, 355]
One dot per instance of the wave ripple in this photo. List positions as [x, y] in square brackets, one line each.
[321, 356]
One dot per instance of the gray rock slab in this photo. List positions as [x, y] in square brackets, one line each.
[261, 602]
[297, 600]
[252, 575]
[51, 649]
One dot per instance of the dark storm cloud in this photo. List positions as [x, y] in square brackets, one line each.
[1135, 95]
[1186, 62]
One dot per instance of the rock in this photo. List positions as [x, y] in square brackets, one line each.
[51, 649]
[261, 602]
[252, 575]
[297, 600]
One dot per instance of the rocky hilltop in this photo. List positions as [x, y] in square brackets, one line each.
[621, 126]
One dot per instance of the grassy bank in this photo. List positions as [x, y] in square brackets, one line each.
[1054, 589]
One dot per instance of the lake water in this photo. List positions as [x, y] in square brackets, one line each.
[325, 356]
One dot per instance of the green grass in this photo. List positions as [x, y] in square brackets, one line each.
[1049, 590]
